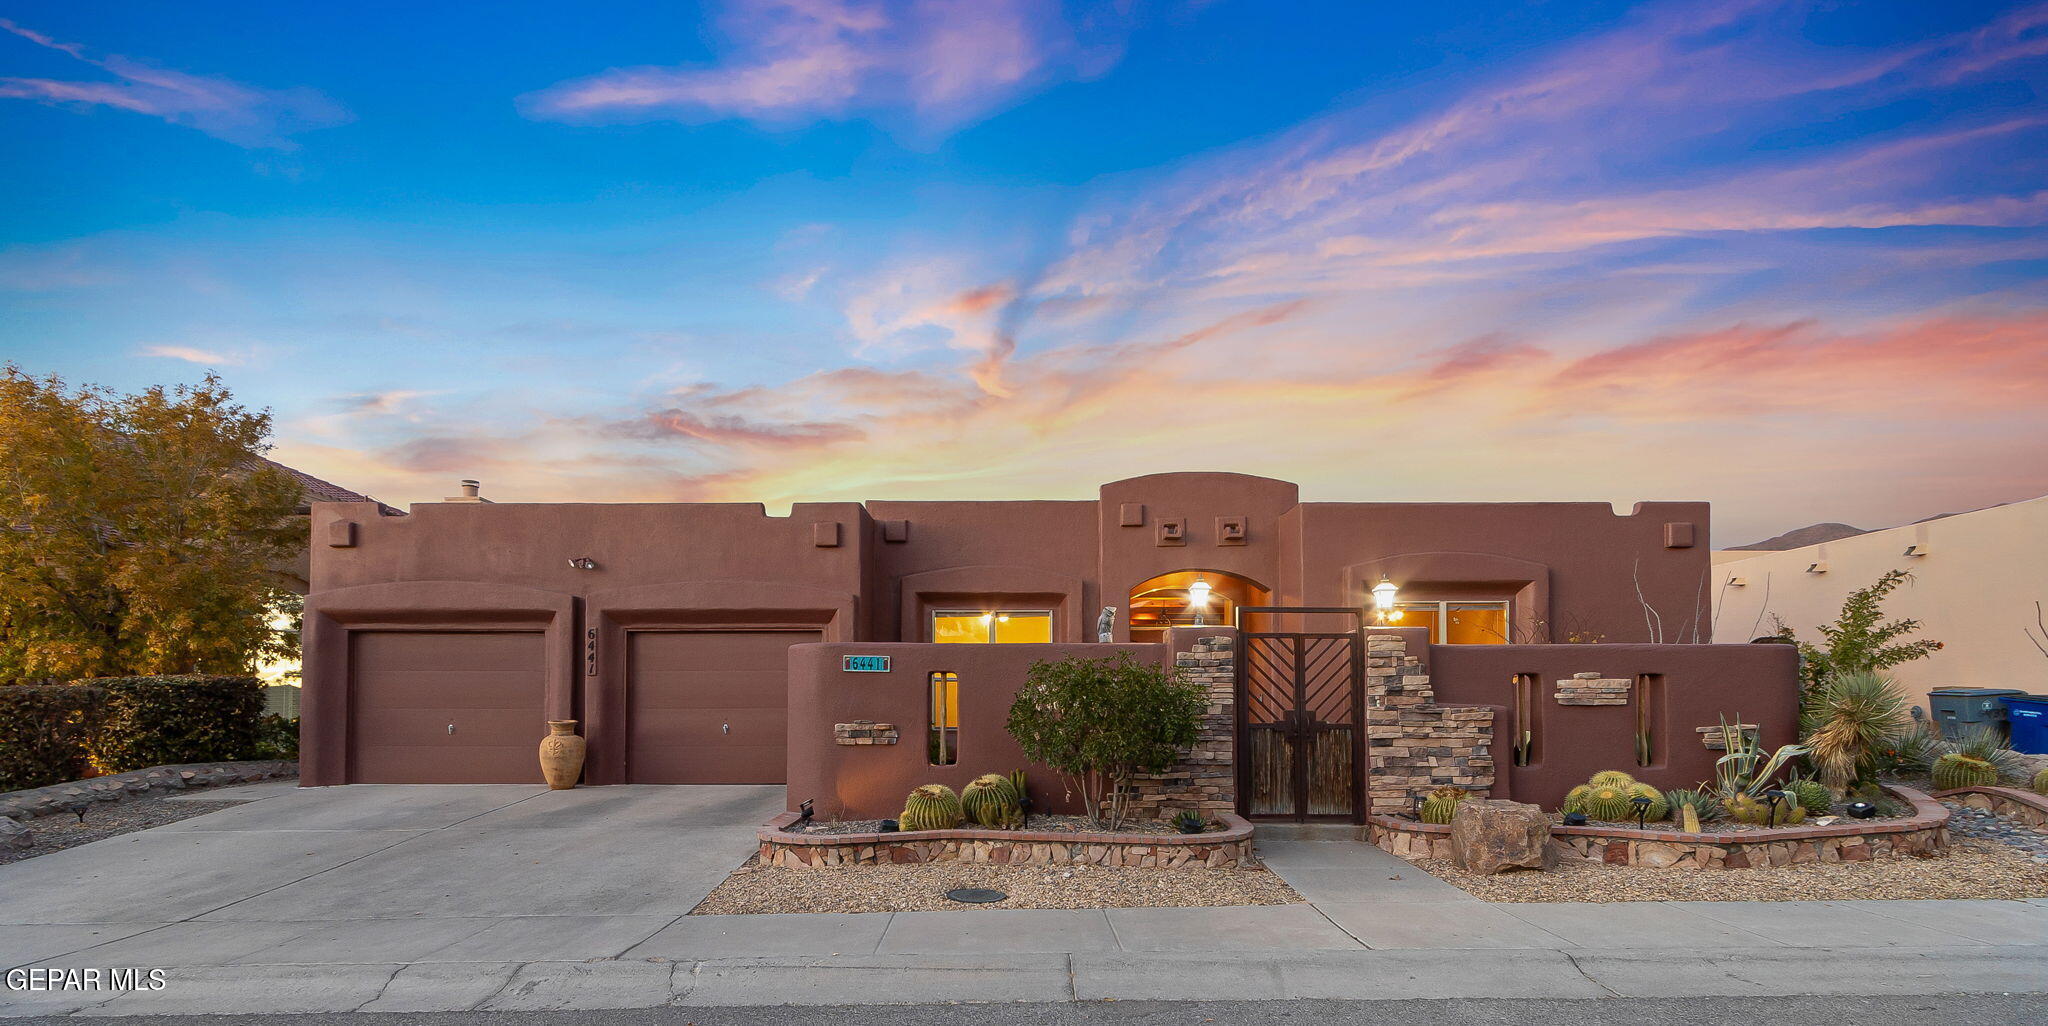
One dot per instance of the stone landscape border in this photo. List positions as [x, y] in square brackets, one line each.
[1217, 849]
[2025, 806]
[74, 795]
[1846, 841]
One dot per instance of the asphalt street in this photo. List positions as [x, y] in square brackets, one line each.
[1948, 1009]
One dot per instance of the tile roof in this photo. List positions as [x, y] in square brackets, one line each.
[327, 491]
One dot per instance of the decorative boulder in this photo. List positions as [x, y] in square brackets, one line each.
[14, 836]
[1493, 835]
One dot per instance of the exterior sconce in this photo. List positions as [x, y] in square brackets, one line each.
[1819, 567]
[583, 563]
[1198, 598]
[1384, 595]
[1738, 582]
[1914, 550]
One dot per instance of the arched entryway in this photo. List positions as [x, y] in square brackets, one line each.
[1184, 598]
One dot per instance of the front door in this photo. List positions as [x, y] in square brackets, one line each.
[1301, 743]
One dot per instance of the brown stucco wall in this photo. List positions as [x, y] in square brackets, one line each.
[870, 781]
[1701, 685]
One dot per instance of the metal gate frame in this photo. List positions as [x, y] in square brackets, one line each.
[1359, 767]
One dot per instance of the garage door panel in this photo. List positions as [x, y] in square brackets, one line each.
[684, 687]
[734, 764]
[459, 651]
[448, 689]
[706, 726]
[407, 687]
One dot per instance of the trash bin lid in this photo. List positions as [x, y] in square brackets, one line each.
[2034, 699]
[1976, 692]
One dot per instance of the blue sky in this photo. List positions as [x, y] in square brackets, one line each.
[1787, 257]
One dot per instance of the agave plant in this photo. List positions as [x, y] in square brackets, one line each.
[1848, 721]
[1745, 769]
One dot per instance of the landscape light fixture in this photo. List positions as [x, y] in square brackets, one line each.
[804, 812]
[1642, 805]
[1198, 598]
[1861, 810]
[1574, 819]
[1771, 799]
[1383, 596]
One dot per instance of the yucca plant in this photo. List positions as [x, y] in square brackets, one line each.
[1848, 721]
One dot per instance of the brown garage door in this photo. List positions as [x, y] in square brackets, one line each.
[407, 688]
[708, 707]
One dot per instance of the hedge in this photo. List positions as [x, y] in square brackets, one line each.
[43, 732]
[162, 721]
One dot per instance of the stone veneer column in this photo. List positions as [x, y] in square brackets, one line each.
[1414, 745]
[1206, 780]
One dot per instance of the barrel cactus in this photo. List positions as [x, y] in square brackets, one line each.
[1442, 804]
[1813, 796]
[931, 807]
[1748, 808]
[1611, 778]
[1958, 770]
[1659, 808]
[1575, 799]
[991, 801]
[1610, 803]
[1703, 803]
[2041, 782]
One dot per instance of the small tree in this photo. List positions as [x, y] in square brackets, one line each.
[1101, 722]
[139, 534]
[1861, 639]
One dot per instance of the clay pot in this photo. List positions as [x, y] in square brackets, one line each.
[561, 755]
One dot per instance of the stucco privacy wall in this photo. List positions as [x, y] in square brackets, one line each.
[870, 781]
[1688, 686]
[1976, 577]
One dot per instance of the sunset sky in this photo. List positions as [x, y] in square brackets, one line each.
[1787, 257]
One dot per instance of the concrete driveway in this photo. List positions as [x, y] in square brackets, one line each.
[376, 872]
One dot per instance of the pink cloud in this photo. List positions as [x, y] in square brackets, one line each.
[792, 61]
[225, 109]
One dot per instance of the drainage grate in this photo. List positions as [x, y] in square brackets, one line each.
[975, 895]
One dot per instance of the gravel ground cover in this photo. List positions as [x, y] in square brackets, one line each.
[754, 889]
[1970, 869]
[108, 819]
[1044, 824]
[1986, 825]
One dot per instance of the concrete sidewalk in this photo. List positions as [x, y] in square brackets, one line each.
[447, 898]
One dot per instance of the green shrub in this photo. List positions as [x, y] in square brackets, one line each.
[1101, 722]
[43, 732]
[161, 721]
[277, 737]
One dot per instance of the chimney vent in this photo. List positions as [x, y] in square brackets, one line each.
[472, 491]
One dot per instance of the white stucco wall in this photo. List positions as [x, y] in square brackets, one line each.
[1974, 590]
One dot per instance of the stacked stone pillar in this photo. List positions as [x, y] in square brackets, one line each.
[1414, 745]
[1205, 780]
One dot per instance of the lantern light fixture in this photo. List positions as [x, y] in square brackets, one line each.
[1384, 595]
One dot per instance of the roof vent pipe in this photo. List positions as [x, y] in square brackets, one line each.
[472, 488]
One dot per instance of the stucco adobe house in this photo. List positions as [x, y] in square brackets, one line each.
[713, 643]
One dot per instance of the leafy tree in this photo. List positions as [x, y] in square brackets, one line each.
[1101, 722]
[138, 532]
[1861, 639]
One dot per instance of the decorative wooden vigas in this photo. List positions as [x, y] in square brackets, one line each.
[561, 755]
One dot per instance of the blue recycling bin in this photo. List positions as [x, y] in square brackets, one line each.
[2027, 717]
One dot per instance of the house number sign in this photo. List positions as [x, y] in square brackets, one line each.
[865, 664]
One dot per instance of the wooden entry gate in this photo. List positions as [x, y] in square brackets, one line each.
[1301, 718]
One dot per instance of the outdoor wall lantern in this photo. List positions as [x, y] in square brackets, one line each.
[1383, 596]
[1198, 598]
[583, 563]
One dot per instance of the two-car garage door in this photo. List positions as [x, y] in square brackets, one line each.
[702, 707]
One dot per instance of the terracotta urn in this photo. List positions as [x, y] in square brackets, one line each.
[561, 755]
